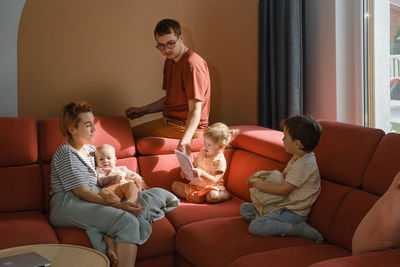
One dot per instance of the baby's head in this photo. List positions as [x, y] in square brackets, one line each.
[216, 137]
[105, 156]
[301, 132]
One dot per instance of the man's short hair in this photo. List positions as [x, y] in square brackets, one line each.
[305, 129]
[167, 26]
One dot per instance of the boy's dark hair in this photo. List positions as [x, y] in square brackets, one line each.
[167, 26]
[305, 129]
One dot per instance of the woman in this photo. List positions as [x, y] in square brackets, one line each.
[75, 202]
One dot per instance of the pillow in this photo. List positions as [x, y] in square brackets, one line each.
[380, 228]
[265, 203]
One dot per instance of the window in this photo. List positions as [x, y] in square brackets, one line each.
[381, 57]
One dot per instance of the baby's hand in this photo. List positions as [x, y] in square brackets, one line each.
[115, 179]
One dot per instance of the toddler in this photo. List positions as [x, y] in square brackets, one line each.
[300, 186]
[117, 181]
[209, 168]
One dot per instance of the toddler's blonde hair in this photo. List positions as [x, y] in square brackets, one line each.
[220, 133]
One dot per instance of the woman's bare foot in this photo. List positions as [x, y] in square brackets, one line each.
[112, 255]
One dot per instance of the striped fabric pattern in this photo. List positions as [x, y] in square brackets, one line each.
[71, 169]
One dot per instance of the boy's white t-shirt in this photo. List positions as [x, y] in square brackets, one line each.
[302, 173]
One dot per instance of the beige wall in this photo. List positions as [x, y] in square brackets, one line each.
[103, 52]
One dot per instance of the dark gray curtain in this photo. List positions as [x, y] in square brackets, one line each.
[280, 60]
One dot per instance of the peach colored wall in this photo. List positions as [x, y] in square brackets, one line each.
[103, 52]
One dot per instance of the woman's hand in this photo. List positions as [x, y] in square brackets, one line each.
[127, 206]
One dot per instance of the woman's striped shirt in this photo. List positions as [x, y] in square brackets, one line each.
[71, 169]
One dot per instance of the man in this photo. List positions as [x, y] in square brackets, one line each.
[186, 105]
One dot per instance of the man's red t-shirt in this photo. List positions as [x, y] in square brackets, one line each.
[184, 80]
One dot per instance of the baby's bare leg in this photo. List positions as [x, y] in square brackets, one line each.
[108, 195]
[131, 191]
[178, 188]
[215, 196]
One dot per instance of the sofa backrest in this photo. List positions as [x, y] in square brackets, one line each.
[113, 130]
[21, 181]
[256, 148]
[343, 155]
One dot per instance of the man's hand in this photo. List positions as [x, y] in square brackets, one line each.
[135, 112]
[184, 147]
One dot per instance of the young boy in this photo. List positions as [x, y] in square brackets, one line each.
[300, 188]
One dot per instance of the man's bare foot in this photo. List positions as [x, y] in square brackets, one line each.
[112, 255]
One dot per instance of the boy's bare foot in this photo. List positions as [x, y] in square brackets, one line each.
[112, 255]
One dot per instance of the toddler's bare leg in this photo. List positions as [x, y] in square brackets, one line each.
[217, 196]
[112, 255]
[178, 188]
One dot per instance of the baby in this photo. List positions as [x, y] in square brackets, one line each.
[117, 181]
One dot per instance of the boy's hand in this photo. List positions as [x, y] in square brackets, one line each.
[249, 183]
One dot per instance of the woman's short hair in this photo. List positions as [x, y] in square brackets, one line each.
[70, 115]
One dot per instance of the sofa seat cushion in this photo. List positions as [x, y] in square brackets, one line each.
[25, 228]
[299, 256]
[187, 212]
[73, 236]
[374, 259]
[216, 242]
[161, 145]
[161, 241]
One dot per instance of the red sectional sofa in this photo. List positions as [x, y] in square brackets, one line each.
[357, 164]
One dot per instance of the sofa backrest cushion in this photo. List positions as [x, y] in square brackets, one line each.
[243, 164]
[18, 141]
[344, 151]
[161, 145]
[384, 165]
[261, 141]
[113, 130]
[21, 188]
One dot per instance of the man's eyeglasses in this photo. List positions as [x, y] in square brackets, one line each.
[169, 45]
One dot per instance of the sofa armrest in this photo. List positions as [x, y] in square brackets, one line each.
[380, 258]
